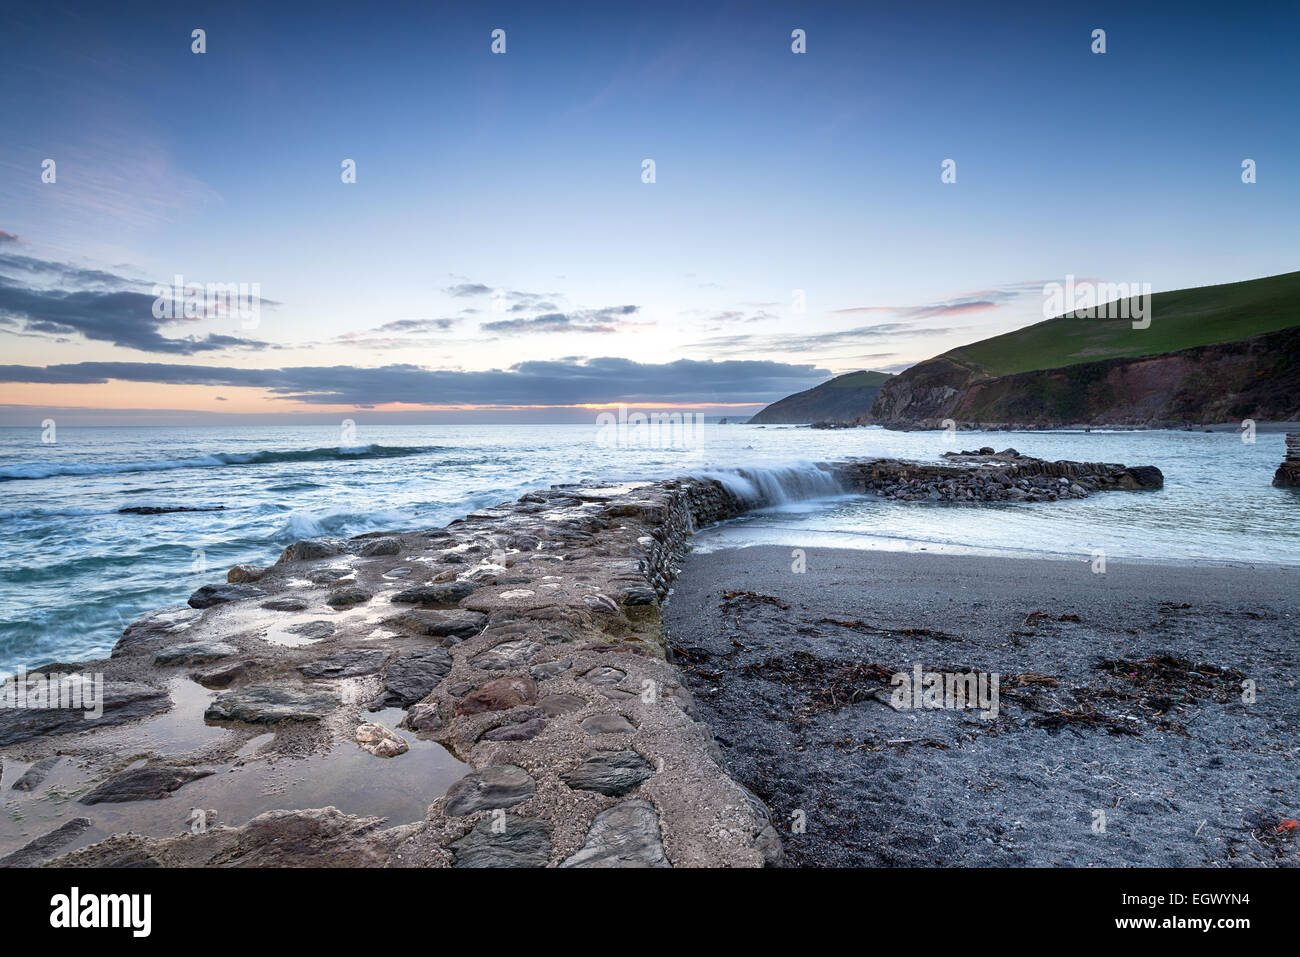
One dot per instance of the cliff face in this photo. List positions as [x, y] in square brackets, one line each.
[1256, 378]
[841, 400]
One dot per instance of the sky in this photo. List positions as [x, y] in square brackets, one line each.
[500, 255]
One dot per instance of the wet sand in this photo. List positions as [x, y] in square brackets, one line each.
[1121, 739]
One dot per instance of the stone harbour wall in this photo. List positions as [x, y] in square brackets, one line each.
[525, 638]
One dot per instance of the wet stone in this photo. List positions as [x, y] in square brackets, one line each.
[604, 675]
[550, 669]
[346, 664]
[524, 730]
[285, 604]
[220, 594]
[422, 717]
[271, 704]
[315, 630]
[508, 654]
[380, 546]
[195, 653]
[439, 623]
[35, 776]
[499, 695]
[349, 597]
[554, 705]
[143, 784]
[436, 594]
[311, 549]
[625, 835]
[607, 724]
[412, 676]
[122, 701]
[508, 841]
[379, 741]
[609, 772]
[501, 785]
[223, 675]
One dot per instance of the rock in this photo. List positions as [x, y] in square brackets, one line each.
[604, 675]
[524, 730]
[315, 630]
[242, 574]
[38, 851]
[439, 623]
[381, 546]
[123, 701]
[195, 653]
[508, 654]
[554, 705]
[637, 595]
[436, 594]
[499, 695]
[1140, 477]
[163, 623]
[607, 724]
[379, 741]
[272, 703]
[150, 783]
[507, 841]
[609, 772]
[346, 664]
[501, 785]
[285, 604]
[423, 717]
[223, 675]
[310, 550]
[550, 669]
[625, 835]
[35, 776]
[210, 595]
[349, 597]
[412, 676]
[601, 603]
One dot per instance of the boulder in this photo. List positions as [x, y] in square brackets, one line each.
[609, 772]
[499, 695]
[379, 741]
[505, 841]
[625, 835]
[210, 595]
[501, 785]
[272, 703]
[150, 783]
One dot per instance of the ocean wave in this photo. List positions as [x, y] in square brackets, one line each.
[40, 470]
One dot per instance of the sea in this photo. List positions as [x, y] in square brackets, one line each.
[75, 569]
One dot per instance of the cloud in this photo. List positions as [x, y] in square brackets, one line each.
[542, 383]
[588, 320]
[514, 299]
[7, 237]
[102, 307]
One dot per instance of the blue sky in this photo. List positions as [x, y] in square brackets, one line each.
[521, 174]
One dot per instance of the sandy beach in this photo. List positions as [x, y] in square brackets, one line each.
[1122, 736]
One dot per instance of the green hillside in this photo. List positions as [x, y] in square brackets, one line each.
[1179, 320]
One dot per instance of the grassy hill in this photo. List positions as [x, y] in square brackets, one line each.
[845, 398]
[1181, 319]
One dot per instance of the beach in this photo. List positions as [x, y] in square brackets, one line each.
[1121, 738]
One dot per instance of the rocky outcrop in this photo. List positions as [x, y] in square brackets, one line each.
[1256, 378]
[1288, 473]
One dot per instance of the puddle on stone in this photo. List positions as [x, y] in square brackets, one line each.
[351, 779]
